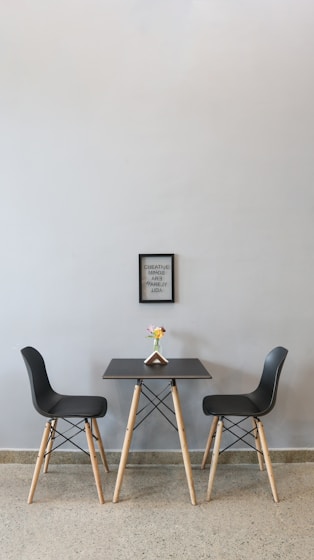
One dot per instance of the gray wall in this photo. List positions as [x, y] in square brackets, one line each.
[132, 126]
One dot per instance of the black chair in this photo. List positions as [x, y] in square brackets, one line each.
[55, 406]
[250, 405]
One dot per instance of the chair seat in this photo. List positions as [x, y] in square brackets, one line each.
[78, 407]
[230, 405]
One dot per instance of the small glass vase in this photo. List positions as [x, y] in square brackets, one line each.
[157, 345]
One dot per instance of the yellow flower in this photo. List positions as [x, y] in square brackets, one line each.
[156, 332]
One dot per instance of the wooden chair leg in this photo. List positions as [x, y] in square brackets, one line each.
[211, 434]
[39, 461]
[258, 445]
[93, 459]
[50, 444]
[100, 444]
[215, 456]
[267, 459]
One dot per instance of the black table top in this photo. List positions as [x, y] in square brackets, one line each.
[177, 368]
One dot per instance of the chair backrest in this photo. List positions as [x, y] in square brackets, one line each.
[265, 394]
[44, 397]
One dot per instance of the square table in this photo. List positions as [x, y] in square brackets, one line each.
[177, 368]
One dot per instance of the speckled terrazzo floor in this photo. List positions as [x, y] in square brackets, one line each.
[154, 518]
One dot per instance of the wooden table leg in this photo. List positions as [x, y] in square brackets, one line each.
[183, 441]
[127, 440]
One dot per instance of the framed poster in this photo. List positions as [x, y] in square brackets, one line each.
[156, 278]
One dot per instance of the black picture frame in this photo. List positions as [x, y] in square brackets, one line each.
[156, 278]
